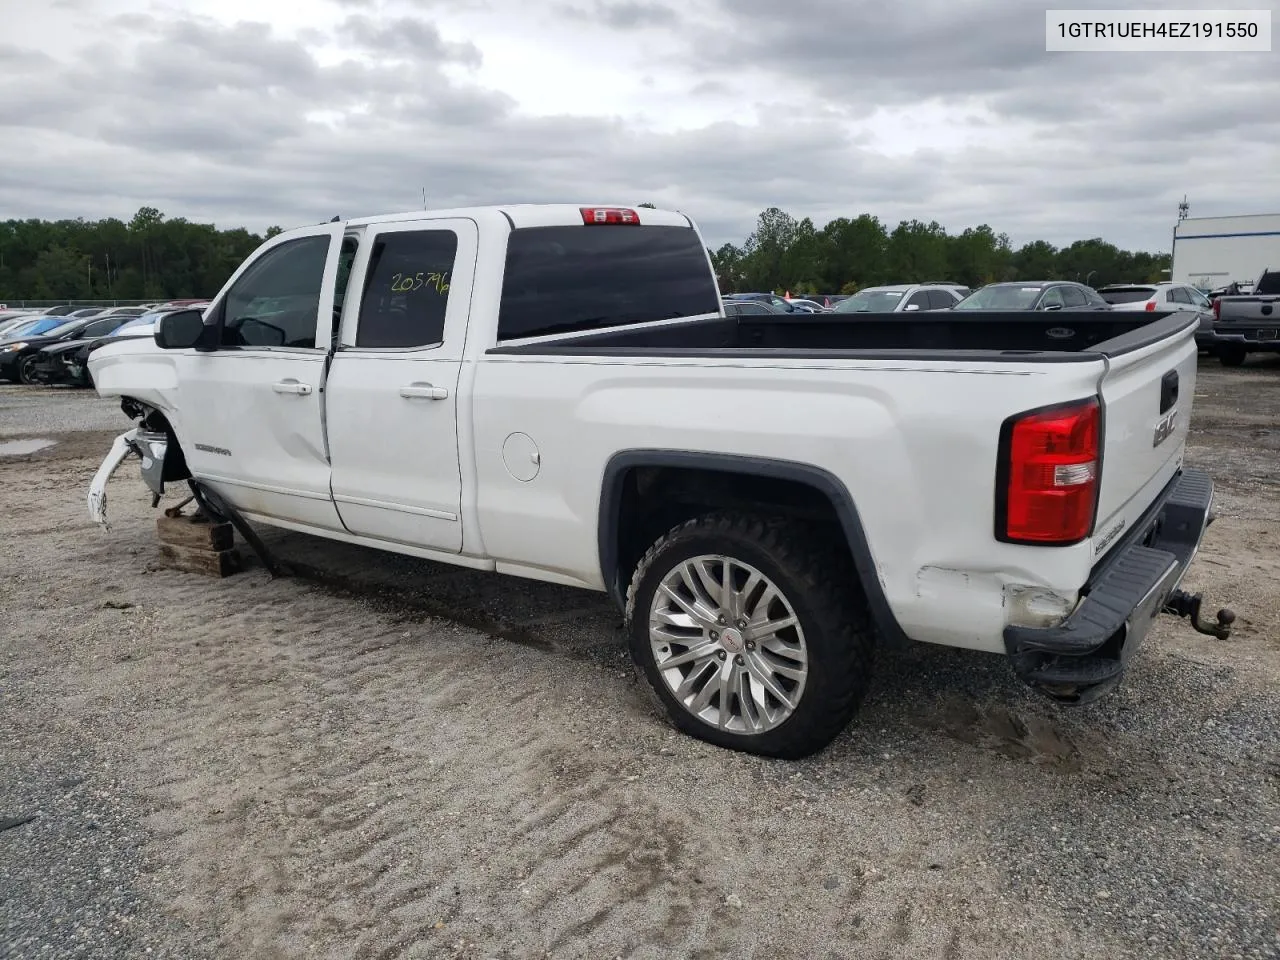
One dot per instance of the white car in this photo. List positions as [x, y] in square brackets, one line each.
[554, 392]
[1156, 296]
[903, 298]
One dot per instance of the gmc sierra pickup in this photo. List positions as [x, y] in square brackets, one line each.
[1248, 324]
[555, 392]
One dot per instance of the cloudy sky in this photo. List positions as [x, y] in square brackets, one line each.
[257, 112]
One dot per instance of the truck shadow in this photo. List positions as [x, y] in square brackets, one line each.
[967, 699]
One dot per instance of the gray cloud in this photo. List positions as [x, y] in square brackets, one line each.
[406, 37]
[241, 125]
[623, 14]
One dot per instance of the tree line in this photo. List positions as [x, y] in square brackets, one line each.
[784, 253]
[157, 258]
[148, 258]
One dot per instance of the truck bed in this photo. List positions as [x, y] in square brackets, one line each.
[1024, 336]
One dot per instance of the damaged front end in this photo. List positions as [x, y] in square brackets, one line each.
[163, 461]
[152, 441]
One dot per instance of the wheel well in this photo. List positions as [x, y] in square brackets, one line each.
[149, 418]
[653, 499]
[647, 492]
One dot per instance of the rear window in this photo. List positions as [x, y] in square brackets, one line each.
[1128, 294]
[562, 279]
[1268, 284]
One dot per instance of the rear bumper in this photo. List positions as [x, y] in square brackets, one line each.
[1085, 656]
[1252, 337]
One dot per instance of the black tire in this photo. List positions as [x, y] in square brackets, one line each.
[26, 371]
[1232, 356]
[821, 585]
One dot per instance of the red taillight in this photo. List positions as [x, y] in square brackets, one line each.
[1217, 309]
[592, 216]
[1151, 305]
[1049, 475]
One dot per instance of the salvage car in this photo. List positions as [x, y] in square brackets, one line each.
[554, 392]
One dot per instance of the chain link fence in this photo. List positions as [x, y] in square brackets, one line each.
[44, 304]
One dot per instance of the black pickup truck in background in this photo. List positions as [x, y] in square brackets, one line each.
[1248, 324]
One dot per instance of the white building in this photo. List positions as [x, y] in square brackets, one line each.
[1211, 252]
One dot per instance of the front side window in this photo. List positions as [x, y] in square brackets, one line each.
[941, 300]
[563, 279]
[100, 328]
[1052, 298]
[1074, 297]
[276, 302]
[406, 291]
[1000, 297]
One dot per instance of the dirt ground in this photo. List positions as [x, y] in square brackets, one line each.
[386, 758]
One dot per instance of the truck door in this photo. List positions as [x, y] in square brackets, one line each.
[250, 413]
[392, 401]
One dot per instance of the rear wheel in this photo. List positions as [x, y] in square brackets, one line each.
[1232, 355]
[749, 636]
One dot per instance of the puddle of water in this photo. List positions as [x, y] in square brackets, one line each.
[15, 448]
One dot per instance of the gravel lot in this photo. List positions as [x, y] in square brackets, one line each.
[385, 758]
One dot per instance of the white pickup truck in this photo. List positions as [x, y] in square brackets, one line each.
[555, 392]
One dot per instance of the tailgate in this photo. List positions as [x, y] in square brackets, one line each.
[1146, 396]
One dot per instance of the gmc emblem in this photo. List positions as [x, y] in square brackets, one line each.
[1165, 428]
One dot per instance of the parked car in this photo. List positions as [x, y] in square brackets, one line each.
[901, 298]
[782, 303]
[1248, 324]
[19, 357]
[1034, 295]
[749, 308]
[1165, 296]
[553, 392]
[809, 306]
[66, 361]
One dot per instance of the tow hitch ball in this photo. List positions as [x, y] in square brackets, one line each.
[1183, 604]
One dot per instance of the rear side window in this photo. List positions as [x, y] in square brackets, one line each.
[407, 289]
[562, 279]
[1178, 295]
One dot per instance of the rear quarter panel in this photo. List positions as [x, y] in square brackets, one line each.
[915, 444]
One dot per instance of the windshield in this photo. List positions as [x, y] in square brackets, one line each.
[1128, 294]
[38, 327]
[18, 329]
[1001, 297]
[64, 327]
[870, 301]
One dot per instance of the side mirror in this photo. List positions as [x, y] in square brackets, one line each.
[911, 306]
[180, 330]
[1052, 306]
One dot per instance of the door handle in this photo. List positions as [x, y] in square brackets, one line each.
[423, 390]
[291, 386]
